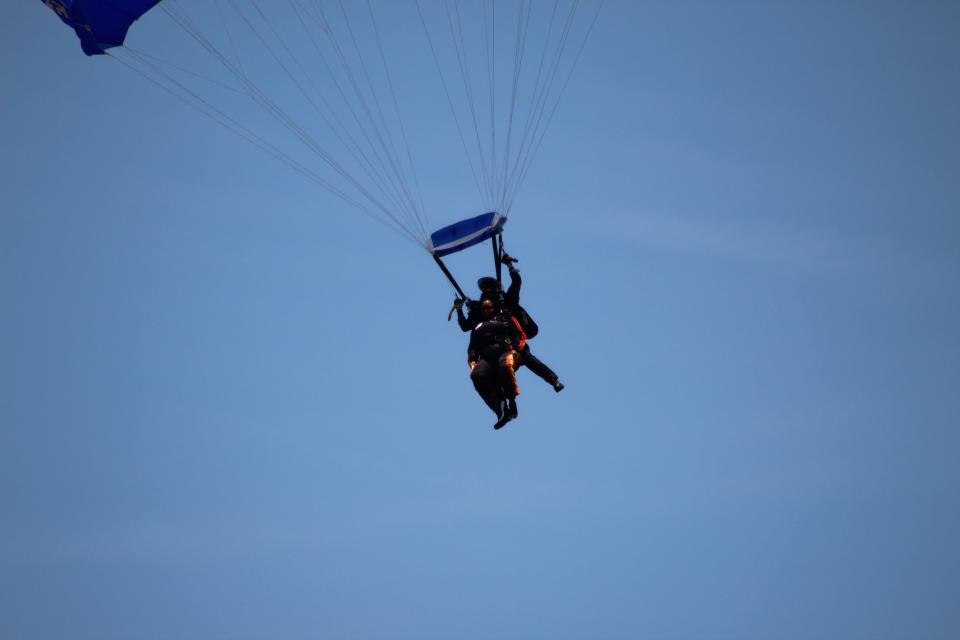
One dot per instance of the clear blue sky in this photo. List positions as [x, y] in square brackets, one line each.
[231, 407]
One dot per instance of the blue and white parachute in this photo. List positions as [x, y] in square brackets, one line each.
[100, 25]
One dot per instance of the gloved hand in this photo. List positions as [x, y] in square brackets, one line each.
[457, 303]
[507, 260]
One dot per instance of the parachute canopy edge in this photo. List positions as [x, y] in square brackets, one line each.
[466, 233]
[100, 25]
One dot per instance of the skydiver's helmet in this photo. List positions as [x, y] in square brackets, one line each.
[488, 284]
[490, 289]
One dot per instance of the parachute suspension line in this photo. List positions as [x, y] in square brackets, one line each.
[446, 91]
[556, 104]
[530, 110]
[512, 150]
[539, 98]
[491, 44]
[233, 45]
[185, 95]
[179, 16]
[423, 220]
[210, 111]
[293, 126]
[394, 174]
[346, 101]
[392, 155]
[391, 173]
[523, 24]
[341, 131]
[456, 35]
[357, 153]
[272, 108]
[170, 65]
[389, 147]
[289, 74]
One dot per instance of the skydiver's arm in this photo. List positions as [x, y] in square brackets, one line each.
[472, 354]
[465, 324]
[512, 297]
[468, 322]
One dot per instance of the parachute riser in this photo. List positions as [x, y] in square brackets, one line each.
[498, 256]
[450, 277]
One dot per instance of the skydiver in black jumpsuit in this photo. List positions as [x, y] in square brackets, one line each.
[510, 302]
[492, 355]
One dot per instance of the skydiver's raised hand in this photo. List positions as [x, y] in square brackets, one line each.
[458, 307]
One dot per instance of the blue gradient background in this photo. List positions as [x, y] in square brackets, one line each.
[232, 408]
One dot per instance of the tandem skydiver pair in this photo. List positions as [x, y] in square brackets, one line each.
[499, 331]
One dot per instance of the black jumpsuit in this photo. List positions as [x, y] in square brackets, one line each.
[492, 354]
[510, 300]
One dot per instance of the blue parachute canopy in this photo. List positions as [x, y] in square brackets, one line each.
[466, 233]
[100, 24]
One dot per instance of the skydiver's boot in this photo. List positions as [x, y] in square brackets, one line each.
[537, 366]
[505, 415]
[509, 413]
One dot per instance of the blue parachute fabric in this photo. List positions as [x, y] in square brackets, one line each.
[466, 233]
[100, 24]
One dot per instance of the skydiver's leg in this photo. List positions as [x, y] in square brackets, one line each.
[484, 377]
[507, 376]
[507, 381]
[537, 366]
